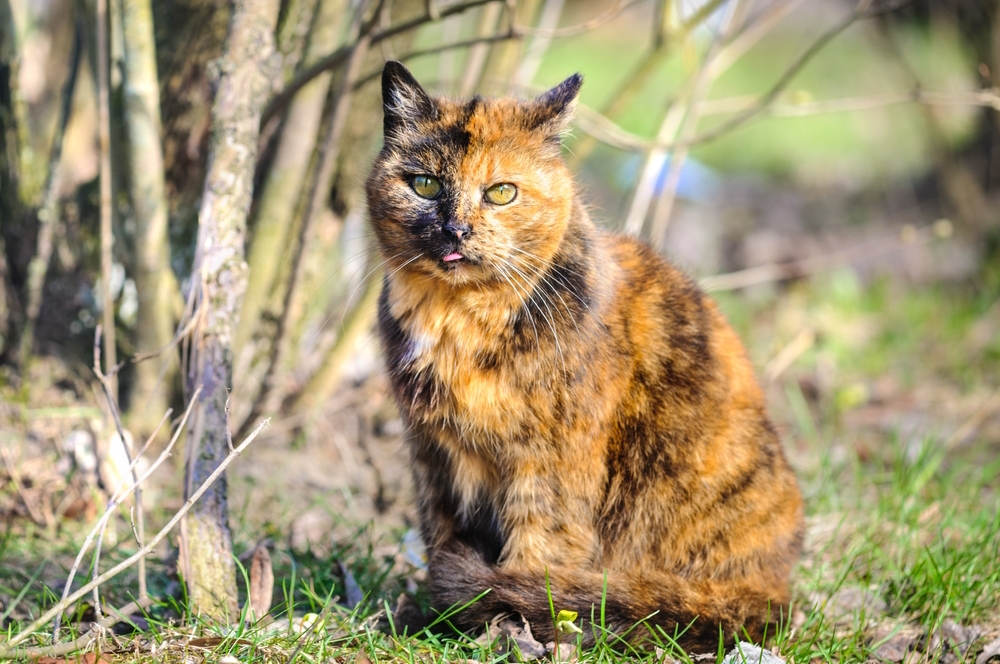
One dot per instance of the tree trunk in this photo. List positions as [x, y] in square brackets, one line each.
[154, 278]
[220, 268]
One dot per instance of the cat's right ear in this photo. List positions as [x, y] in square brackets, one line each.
[404, 102]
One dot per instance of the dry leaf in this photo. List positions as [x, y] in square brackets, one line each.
[351, 587]
[991, 650]
[748, 653]
[505, 630]
[896, 647]
[261, 582]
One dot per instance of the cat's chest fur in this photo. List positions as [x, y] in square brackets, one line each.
[455, 365]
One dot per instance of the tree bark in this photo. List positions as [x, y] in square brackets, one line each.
[221, 271]
[154, 278]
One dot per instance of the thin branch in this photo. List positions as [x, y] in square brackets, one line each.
[104, 135]
[506, 36]
[15, 478]
[987, 98]
[49, 214]
[116, 616]
[702, 84]
[608, 132]
[551, 11]
[113, 406]
[7, 647]
[475, 61]
[340, 56]
[969, 427]
[551, 33]
[318, 194]
[117, 498]
[772, 272]
[626, 93]
[672, 126]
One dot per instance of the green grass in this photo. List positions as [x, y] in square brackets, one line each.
[891, 513]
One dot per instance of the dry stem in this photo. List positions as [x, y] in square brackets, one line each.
[84, 640]
[7, 649]
[48, 216]
[117, 499]
[107, 239]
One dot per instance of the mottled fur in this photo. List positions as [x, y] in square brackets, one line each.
[576, 407]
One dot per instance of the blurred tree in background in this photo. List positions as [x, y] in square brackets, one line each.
[226, 201]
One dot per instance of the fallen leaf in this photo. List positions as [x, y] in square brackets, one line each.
[351, 587]
[261, 582]
[748, 653]
[894, 645]
[844, 604]
[991, 650]
[504, 630]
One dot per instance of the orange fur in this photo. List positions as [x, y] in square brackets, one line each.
[578, 411]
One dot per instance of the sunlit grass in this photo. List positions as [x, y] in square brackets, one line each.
[903, 521]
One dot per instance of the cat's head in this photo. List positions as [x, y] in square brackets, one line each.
[472, 191]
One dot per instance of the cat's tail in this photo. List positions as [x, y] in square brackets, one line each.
[640, 609]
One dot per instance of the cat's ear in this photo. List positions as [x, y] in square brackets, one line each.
[556, 106]
[404, 102]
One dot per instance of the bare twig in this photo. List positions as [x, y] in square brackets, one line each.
[7, 647]
[116, 415]
[49, 214]
[117, 497]
[678, 117]
[802, 342]
[340, 56]
[608, 132]
[702, 83]
[318, 194]
[479, 51]
[325, 379]
[15, 478]
[412, 55]
[116, 616]
[551, 11]
[989, 98]
[104, 134]
[550, 32]
[623, 97]
[772, 272]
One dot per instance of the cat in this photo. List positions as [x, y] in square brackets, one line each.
[582, 421]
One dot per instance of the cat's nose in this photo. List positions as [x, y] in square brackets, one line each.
[457, 229]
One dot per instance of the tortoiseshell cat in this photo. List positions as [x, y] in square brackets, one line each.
[579, 413]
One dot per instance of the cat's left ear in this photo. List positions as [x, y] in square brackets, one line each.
[556, 106]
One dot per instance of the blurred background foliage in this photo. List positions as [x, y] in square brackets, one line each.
[849, 227]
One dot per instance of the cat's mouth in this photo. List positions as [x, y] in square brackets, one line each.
[452, 257]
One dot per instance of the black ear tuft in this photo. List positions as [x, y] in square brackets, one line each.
[404, 102]
[557, 105]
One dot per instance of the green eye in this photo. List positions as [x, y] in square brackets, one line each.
[501, 194]
[426, 186]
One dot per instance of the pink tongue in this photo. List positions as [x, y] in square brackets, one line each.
[452, 257]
